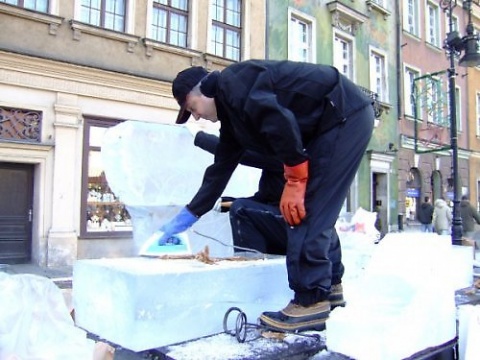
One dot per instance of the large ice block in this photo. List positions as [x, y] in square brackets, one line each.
[407, 292]
[143, 303]
[155, 169]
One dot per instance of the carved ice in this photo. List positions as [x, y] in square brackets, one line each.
[155, 169]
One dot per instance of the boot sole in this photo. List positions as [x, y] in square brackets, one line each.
[318, 325]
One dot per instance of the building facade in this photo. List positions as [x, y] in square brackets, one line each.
[68, 71]
[425, 155]
[473, 84]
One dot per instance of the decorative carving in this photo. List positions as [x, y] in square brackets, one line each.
[20, 124]
[346, 18]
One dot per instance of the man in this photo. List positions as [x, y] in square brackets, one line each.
[469, 215]
[425, 215]
[256, 221]
[317, 123]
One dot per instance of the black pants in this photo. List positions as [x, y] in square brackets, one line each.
[312, 249]
[261, 227]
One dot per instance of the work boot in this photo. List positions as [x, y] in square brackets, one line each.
[336, 296]
[298, 318]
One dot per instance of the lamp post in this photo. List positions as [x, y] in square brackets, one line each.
[454, 45]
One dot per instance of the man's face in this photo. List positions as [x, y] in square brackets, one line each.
[201, 107]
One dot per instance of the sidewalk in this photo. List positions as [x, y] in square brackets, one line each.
[61, 276]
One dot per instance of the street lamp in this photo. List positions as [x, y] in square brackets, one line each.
[454, 45]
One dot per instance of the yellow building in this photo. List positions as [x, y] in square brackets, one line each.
[68, 71]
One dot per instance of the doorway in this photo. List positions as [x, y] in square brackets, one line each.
[380, 201]
[16, 199]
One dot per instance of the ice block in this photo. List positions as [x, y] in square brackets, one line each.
[404, 302]
[145, 303]
[155, 170]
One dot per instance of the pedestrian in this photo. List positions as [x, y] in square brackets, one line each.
[425, 215]
[469, 215]
[442, 217]
[318, 124]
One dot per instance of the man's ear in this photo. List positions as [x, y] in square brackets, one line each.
[208, 86]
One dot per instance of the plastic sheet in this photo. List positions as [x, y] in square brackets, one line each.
[35, 322]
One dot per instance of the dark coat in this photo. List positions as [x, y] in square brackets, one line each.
[425, 213]
[469, 215]
[274, 108]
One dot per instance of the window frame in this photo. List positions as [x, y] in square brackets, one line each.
[414, 27]
[407, 70]
[432, 31]
[350, 40]
[126, 4]
[170, 11]
[309, 46]
[226, 27]
[437, 110]
[90, 122]
[383, 93]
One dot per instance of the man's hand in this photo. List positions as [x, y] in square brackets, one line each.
[293, 197]
[184, 220]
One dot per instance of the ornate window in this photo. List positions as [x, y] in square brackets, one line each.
[226, 36]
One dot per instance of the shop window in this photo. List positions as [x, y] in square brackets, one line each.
[103, 213]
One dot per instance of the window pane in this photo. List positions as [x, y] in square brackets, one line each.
[233, 13]
[178, 34]
[96, 135]
[217, 40]
[38, 5]
[217, 10]
[232, 45]
[115, 15]
[11, 2]
[159, 25]
[180, 4]
[90, 12]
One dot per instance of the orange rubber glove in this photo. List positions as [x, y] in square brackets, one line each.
[292, 202]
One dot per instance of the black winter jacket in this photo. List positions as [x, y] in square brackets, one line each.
[273, 108]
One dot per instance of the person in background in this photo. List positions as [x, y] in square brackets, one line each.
[442, 217]
[425, 215]
[318, 124]
[470, 217]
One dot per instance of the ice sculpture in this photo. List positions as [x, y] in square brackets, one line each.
[155, 169]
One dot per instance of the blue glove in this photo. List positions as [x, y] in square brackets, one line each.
[184, 220]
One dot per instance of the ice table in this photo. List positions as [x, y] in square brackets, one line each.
[145, 303]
